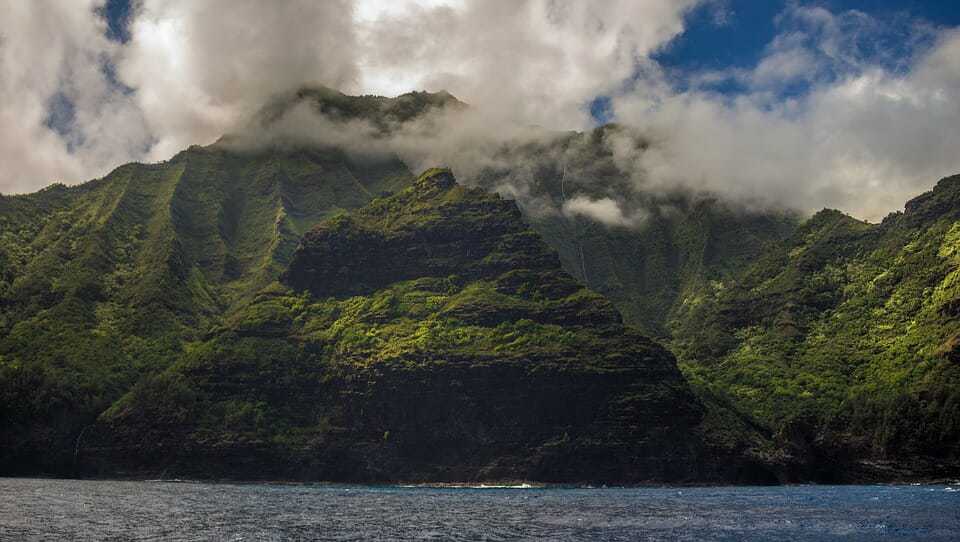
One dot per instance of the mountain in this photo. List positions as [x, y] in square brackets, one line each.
[672, 245]
[151, 287]
[844, 338]
[108, 281]
[428, 336]
[295, 308]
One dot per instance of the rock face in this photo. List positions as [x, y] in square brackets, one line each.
[415, 236]
[429, 336]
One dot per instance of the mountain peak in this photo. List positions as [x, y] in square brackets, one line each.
[943, 200]
[441, 178]
[434, 228]
[380, 110]
[827, 216]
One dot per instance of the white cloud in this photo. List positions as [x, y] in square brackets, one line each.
[199, 67]
[49, 54]
[538, 61]
[875, 128]
[784, 67]
[369, 11]
[864, 140]
[603, 210]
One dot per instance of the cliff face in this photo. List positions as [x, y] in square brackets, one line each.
[427, 336]
[431, 232]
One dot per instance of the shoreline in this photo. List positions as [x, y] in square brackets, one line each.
[485, 485]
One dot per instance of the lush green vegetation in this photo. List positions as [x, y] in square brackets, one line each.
[836, 336]
[104, 283]
[441, 270]
[845, 336]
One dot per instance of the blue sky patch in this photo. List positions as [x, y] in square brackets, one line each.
[117, 13]
[734, 33]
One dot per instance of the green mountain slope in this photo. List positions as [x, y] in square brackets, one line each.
[428, 336]
[845, 337]
[105, 282]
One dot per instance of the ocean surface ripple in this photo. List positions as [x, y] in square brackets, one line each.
[43, 509]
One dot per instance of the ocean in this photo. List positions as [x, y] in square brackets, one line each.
[47, 509]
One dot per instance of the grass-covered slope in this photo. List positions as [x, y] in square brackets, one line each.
[427, 336]
[845, 337]
[104, 283]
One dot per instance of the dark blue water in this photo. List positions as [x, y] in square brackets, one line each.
[33, 509]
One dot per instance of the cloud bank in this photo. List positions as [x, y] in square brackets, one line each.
[827, 117]
[864, 138]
